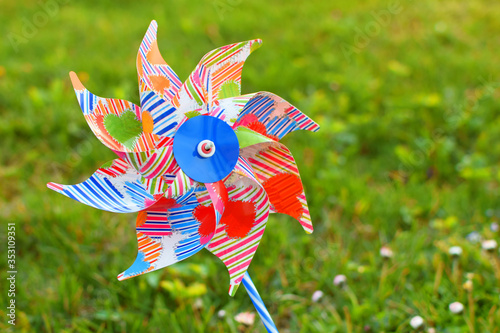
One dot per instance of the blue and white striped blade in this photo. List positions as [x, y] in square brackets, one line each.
[167, 233]
[164, 115]
[277, 116]
[115, 187]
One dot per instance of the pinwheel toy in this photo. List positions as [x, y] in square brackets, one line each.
[202, 165]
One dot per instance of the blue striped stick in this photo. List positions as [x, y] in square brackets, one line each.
[259, 304]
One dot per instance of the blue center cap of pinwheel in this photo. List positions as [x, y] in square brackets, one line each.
[206, 149]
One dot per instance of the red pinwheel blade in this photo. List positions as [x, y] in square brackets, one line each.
[117, 123]
[277, 171]
[242, 226]
[274, 117]
[115, 187]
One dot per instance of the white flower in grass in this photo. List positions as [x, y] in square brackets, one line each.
[431, 330]
[386, 252]
[456, 307]
[245, 318]
[455, 251]
[417, 322]
[489, 245]
[317, 295]
[198, 303]
[339, 280]
[494, 227]
[221, 313]
[474, 237]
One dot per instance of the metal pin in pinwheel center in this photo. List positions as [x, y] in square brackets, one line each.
[195, 150]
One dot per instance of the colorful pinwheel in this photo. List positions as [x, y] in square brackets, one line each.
[192, 149]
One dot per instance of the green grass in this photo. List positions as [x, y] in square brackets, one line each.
[407, 156]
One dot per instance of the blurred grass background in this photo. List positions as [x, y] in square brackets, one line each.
[406, 94]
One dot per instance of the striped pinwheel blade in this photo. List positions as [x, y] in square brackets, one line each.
[158, 84]
[158, 165]
[166, 233]
[217, 76]
[177, 226]
[242, 225]
[117, 123]
[274, 117]
[213, 199]
[228, 109]
[277, 171]
[154, 73]
[116, 187]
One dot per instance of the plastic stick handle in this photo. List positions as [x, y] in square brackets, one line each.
[259, 304]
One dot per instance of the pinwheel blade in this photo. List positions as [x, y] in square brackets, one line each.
[153, 164]
[154, 73]
[274, 117]
[158, 84]
[117, 123]
[228, 109]
[217, 76]
[115, 187]
[167, 233]
[277, 171]
[178, 225]
[242, 226]
[218, 195]
[181, 185]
